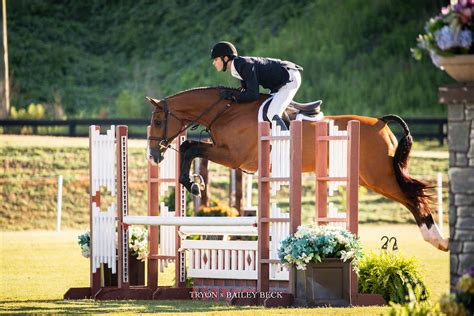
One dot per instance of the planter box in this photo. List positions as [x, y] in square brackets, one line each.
[459, 67]
[323, 284]
[136, 275]
[136, 268]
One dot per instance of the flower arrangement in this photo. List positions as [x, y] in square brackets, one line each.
[313, 243]
[138, 243]
[449, 33]
[462, 301]
[216, 209]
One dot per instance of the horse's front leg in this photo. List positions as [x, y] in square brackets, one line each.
[189, 151]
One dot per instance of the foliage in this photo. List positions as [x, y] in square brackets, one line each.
[215, 208]
[461, 302]
[169, 200]
[449, 33]
[314, 243]
[138, 243]
[32, 112]
[131, 105]
[391, 275]
[84, 242]
[414, 306]
[87, 53]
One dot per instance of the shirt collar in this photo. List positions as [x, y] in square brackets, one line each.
[234, 72]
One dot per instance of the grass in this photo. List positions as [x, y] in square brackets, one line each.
[37, 267]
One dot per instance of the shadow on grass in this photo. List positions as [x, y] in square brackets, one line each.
[91, 306]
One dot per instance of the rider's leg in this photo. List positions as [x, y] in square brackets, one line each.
[282, 99]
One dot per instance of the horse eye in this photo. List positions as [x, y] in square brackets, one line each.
[158, 123]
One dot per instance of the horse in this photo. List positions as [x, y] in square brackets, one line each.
[234, 132]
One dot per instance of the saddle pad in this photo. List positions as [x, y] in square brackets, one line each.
[262, 111]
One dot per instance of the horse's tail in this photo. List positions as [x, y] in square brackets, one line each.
[415, 190]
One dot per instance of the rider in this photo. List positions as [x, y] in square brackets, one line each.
[282, 78]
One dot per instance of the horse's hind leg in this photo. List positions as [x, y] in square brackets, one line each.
[385, 183]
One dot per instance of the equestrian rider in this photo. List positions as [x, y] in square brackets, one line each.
[282, 78]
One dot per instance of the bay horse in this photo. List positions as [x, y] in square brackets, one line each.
[234, 132]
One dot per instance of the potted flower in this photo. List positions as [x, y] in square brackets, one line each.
[320, 258]
[138, 253]
[448, 40]
[461, 302]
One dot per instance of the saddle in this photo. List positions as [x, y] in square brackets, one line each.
[309, 110]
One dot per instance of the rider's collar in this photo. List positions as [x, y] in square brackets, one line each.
[234, 72]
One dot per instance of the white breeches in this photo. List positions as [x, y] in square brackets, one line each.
[283, 97]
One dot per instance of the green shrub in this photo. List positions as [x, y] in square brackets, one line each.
[33, 112]
[413, 307]
[215, 208]
[391, 275]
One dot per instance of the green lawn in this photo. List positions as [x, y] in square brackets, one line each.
[37, 267]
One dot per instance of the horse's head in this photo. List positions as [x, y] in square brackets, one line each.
[164, 127]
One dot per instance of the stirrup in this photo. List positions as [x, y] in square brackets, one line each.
[199, 180]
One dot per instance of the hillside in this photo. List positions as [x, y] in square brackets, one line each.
[100, 56]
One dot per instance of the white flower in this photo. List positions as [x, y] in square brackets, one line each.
[85, 251]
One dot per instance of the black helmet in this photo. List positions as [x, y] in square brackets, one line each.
[222, 49]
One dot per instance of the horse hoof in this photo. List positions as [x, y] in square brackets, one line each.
[195, 190]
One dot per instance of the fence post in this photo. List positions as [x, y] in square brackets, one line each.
[440, 201]
[72, 128]
[59, 203]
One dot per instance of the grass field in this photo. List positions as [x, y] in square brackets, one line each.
[37, 267]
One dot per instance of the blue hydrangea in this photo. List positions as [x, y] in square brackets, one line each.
[465, 38]
[445, 38]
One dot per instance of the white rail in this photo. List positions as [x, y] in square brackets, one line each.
[217, 230]
[190, 221]
[219, 259]
[279, 157]
[102, 160]
[103, 237]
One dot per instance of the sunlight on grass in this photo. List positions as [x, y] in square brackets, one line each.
[37, 268]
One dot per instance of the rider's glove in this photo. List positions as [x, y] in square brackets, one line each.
[228, 95]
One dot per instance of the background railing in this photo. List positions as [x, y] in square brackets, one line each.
[421, 128]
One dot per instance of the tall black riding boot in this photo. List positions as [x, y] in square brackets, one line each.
[279, 121]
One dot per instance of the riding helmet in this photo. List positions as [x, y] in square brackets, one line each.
[222, 49]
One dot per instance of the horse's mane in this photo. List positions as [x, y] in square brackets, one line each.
[208, 88]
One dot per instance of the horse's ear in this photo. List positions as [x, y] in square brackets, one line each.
[153, 101]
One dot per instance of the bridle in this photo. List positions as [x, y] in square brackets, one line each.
[166, 141]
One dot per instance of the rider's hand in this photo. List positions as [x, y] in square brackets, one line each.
[227, 95]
